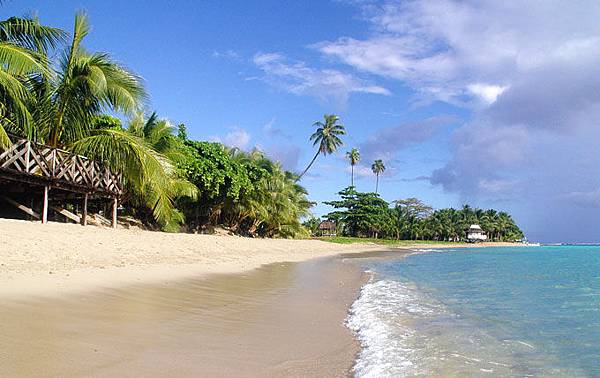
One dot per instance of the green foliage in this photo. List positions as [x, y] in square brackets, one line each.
[312, 224]
[360, 214]
[244, 191]
[367, 215]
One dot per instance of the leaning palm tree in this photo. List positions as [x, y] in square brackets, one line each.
[327, 137]
[354, 156]
[377, 168]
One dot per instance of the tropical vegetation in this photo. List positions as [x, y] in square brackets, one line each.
[360, 214]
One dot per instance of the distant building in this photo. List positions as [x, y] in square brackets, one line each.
[328, 228]
[476, 234]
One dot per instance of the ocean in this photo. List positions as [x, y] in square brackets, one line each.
[526, 312]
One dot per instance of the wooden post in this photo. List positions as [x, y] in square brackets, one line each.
[45, 206]
[84, 212]
[114, 213]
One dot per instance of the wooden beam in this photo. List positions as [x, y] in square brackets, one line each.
[114, 213]
[23, 208]
[69, 215]
[45, 207]
[84, 213]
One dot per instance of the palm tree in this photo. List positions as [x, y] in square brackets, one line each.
[86, 84]
[377, 168]
[23, 42]
[62, 108]
[354, 156]
[327, 137]
[159, 192]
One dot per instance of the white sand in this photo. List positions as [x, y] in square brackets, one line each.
[57, 258]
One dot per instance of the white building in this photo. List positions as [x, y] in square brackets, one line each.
[476, 234]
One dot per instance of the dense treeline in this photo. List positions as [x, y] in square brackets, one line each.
[368, 215]
[244, 191]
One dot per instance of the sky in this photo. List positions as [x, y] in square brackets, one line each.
[488, 103]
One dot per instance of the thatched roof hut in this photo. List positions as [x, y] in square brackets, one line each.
[328, 227]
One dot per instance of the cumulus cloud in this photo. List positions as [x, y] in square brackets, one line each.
[528, 72]
[328, 85]
[235, 137]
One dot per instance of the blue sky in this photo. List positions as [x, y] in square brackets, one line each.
[495, 104]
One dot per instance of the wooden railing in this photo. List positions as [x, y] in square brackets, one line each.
[55, 166]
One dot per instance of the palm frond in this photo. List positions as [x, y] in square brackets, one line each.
[28, 33]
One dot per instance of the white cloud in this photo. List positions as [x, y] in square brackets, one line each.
[442, 48]
[488, 93]
[235, 137]
[360, 171]
[327, 85]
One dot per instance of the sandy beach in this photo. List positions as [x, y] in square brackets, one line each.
[282, 320]
[88, 301]
[59, 258]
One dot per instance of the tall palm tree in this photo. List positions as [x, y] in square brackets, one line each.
[85, 85]
[354, 156]
[327, 137]
[64, 107]
[377, 168]
[23, 43]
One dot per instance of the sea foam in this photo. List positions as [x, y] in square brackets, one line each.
[380, 317]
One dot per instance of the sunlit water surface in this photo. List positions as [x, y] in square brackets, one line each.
[528, 311]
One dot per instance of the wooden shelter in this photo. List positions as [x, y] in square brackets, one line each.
[328, 228]
[36, 170]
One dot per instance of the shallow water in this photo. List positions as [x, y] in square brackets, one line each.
[531, 311]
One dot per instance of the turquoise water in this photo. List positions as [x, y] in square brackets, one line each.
[529, 311]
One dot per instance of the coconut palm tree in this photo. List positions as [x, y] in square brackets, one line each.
[327, 137]
[86, 85]
[64, 106]
[354, 156]
[377, 168]
[23, 42]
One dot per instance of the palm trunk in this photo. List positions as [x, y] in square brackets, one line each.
[377, 184]
[309, 165]
[352, 177]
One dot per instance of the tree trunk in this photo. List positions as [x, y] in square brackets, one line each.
[377, 184]
[352, 177]
[309, 165]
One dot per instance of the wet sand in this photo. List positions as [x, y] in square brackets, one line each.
[283, 319]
